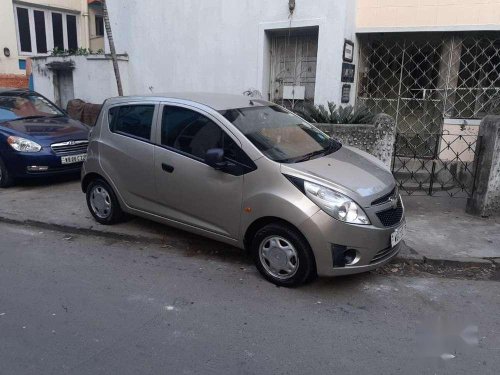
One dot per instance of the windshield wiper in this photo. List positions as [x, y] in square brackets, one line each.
[27, 118]
[310, 155]
[331, 148]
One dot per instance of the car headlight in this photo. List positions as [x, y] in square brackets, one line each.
[335, 204]
[23, 145]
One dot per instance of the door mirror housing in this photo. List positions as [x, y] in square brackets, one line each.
[215, 158]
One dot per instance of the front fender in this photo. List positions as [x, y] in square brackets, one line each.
[270, 194]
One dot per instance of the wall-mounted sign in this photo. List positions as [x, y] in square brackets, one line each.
[348, 51]
[346, 93]
[348, 71]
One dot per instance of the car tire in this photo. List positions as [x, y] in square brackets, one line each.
[283, 256]
[103, 203]
[6, 178]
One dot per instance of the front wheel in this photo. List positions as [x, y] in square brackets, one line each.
[103, 203]
[283, 256]
[6, 178]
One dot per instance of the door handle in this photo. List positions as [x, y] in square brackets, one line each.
[167, 168]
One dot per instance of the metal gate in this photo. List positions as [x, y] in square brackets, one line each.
[437, 86]
[448, 171]
[293, 66]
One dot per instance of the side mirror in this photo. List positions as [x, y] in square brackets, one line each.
[215, 158]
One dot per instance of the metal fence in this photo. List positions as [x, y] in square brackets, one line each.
[449, 171]
[423, 78]
[427, 81]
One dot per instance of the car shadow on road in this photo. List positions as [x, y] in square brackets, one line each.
[192, 245]
[46, 181]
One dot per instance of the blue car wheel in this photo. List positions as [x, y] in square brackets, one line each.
[6, 178]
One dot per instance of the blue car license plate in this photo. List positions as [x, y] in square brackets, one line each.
[72, 159]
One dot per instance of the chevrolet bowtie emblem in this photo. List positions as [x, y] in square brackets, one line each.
[394, 202]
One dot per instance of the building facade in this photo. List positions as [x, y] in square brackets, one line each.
[283, 49]
[433, 65]
[295, 50]
[38, 27]
[96, 25]
[428, 61]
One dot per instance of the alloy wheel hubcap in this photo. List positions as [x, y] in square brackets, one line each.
[279, 257]
[100, 201]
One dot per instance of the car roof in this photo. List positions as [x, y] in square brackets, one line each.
[216, 101]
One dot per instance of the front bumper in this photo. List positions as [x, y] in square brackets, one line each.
[18, 163]
[327, 235]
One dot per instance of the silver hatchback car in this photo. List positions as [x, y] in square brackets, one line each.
[249, 173]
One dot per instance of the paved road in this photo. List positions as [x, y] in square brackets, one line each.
[86, 305]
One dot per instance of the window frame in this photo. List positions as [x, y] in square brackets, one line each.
[44, 30]
[49, 36]
[96, 16]
[31, 24]
[212, 118]
[154, 121]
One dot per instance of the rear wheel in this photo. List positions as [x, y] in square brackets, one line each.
[6, 178]
[103, 204]
[283, 256]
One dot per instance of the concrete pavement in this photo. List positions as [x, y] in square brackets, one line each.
[83, 304]
[439, 228]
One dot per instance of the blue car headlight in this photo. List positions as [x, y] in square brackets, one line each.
[23, 145]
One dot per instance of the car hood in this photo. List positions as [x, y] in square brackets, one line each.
[47, 130]
[353, 172]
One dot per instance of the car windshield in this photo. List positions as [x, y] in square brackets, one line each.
[16, 107]
[281, 135]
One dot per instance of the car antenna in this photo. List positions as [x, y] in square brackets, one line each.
[251, 102]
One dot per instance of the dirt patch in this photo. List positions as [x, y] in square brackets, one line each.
[455, 271]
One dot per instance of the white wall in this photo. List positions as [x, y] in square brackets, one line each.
[93, 77]
[8, 35]
[430, 15]
[8, 39]
[220, 45]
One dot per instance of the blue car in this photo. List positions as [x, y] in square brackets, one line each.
[37, 138]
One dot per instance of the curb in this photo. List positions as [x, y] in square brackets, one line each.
[410, 257]
[448, 262]
[84, 231]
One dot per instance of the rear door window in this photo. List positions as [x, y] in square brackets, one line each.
[135, 121]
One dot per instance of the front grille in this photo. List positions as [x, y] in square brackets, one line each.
[392, 216]
[70, 147]
[385, 198]
[384, 254]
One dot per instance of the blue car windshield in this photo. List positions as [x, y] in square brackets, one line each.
[14, 107]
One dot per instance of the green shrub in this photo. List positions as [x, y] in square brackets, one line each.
[333, 114]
